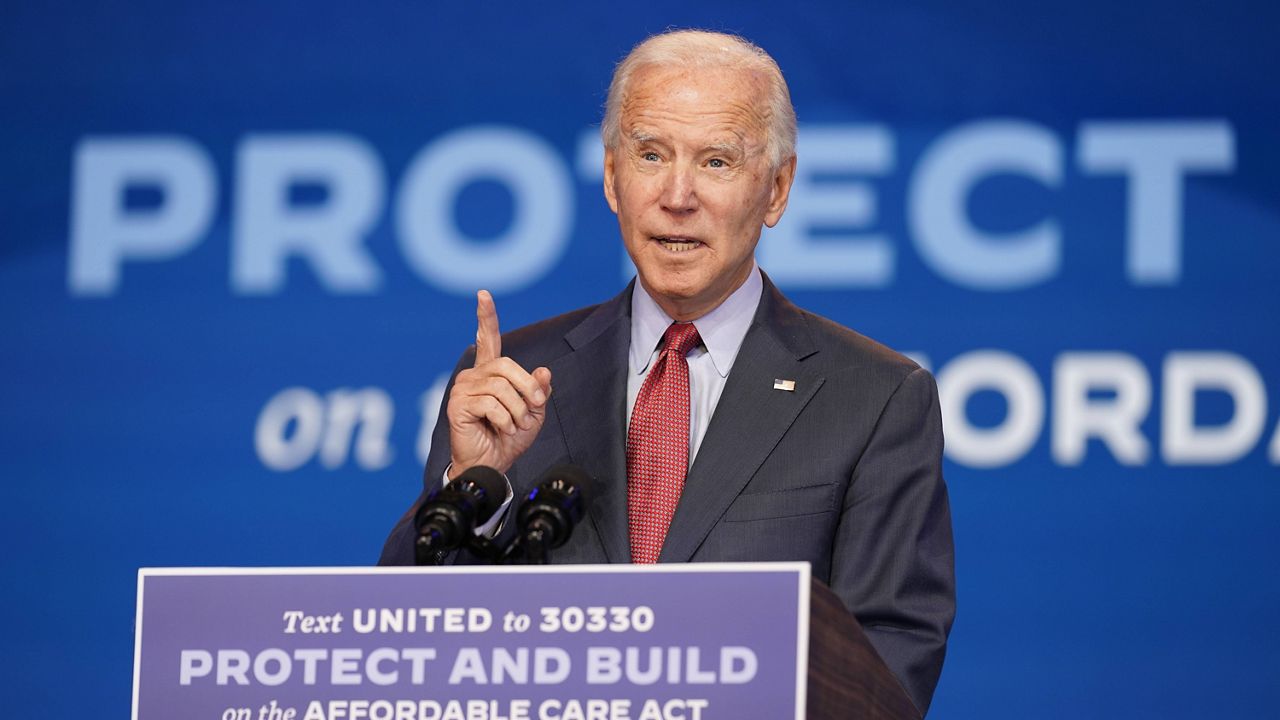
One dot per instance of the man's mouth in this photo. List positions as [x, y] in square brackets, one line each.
[678, 244]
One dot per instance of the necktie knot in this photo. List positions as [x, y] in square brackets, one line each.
[680, 338]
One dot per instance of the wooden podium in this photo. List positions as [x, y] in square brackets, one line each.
[847, 679]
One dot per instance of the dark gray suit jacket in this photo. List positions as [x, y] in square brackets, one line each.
[844, 472]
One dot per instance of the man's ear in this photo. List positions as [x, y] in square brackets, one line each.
[609, 195]
[780, 192]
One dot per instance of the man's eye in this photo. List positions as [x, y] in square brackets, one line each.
[650, 157]
[716, 163]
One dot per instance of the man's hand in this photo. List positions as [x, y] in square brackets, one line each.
[496, 408]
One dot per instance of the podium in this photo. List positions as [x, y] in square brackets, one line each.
[606, 642]
[847, 679]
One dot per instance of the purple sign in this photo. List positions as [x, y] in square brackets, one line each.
[604, 642]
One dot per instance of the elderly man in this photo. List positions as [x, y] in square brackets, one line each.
[721, 422]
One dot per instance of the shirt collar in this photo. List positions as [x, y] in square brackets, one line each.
[722, 330]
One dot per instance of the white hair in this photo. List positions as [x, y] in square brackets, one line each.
[699, 49]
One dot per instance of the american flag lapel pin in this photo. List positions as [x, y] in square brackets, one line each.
[788, 385]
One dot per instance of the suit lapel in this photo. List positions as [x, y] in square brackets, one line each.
[749, 420]
[591, 406]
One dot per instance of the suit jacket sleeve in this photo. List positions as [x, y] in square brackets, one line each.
[893, 559]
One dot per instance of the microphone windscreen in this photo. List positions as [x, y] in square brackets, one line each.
[571, 475]
[492, 482]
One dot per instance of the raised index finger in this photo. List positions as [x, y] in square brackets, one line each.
[488, 338]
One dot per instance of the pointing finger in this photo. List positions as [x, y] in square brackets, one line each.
[488, 338]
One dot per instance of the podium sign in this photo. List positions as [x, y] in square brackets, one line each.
[606, 642]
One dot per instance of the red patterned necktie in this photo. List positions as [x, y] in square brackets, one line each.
[658, 445]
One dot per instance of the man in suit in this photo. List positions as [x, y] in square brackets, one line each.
[720, 421]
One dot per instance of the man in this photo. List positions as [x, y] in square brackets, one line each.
[801, 439]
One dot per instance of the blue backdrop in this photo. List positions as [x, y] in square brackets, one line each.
[240, 243]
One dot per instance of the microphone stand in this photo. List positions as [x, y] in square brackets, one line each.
[537, 545]
[426, 549]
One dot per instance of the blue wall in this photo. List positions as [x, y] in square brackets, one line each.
[1067, 210]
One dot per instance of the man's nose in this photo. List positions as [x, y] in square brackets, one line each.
[679, 194]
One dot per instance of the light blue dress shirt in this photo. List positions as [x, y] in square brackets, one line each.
[722, 331]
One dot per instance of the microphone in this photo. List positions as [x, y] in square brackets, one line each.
[547, 517]
[449, 516]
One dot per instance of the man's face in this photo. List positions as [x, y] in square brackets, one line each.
[691, 183]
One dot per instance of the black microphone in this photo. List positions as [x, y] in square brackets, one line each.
[449, 516]
[550, 511]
